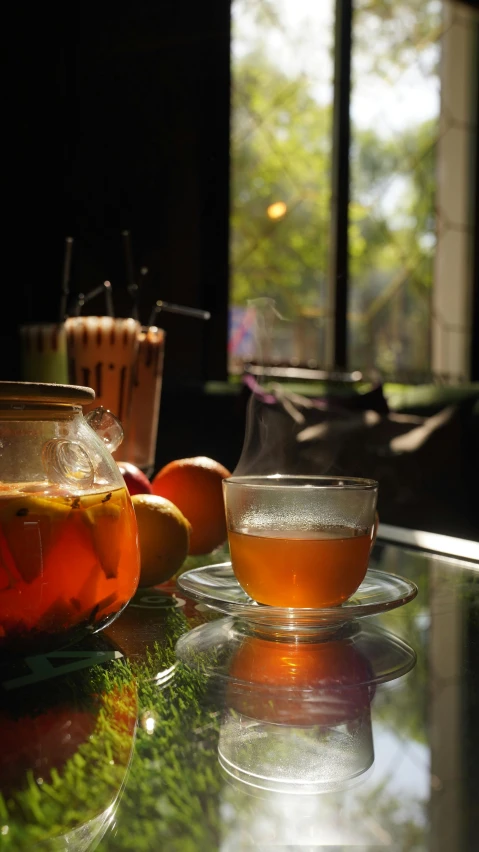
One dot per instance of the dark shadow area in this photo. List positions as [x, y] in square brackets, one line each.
[119, 119]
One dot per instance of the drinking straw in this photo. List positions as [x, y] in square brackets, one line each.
[160, 305]
[130, 272]
[109, 299]
[104, 288]
[67, 260]
[81, 298]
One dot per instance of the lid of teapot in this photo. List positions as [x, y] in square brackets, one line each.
[46, 393]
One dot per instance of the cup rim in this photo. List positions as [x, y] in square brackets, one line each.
[316, 481]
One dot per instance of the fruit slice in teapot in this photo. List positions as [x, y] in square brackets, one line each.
[64, 561]
[103, 520]
[30, 526]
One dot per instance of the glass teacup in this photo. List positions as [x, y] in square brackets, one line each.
[300, 541]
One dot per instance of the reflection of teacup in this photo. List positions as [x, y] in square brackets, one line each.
[300, 683]
[300, 541]
[298, 715]
[297, 712]
[295, 759]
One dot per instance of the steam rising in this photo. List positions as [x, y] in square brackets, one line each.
[280, 426]
[284, 436]
[290, 434]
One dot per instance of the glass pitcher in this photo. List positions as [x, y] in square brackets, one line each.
[69, 557]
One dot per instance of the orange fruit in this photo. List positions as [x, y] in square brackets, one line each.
[163, 538]
[195, 486]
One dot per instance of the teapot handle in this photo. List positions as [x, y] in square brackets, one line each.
[106, 426]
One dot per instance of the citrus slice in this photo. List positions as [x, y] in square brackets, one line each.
[103, 521]
[163, 536]
[31, 526]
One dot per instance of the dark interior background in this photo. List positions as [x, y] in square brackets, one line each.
[117, 117]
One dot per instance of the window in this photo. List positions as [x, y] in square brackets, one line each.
[408, 194]
[281, 163]
[395, 103]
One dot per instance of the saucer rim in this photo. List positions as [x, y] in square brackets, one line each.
[370, 632]
[251, 610]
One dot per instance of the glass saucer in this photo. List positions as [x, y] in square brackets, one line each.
[357, 654]
[217, 587]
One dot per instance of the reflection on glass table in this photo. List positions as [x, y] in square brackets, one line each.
[67, 729]
[297, 714]
[420, 793]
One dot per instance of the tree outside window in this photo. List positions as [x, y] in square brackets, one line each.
[282, 71]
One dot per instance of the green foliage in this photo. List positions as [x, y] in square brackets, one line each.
[164, 790]
[174, 779]
[88, 784]
[392, 34]
[287, 257]
[279, 158]
[400, 709]
[281, 151]
[263, 12]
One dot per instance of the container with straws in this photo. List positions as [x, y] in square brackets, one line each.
[122, 360]
[102, 353]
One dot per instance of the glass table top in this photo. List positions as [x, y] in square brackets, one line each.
[144, 738]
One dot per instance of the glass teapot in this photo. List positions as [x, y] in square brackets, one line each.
[69, 557]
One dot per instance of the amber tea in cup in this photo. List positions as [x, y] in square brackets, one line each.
[300, 541]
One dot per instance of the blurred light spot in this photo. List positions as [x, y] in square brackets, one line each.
[148, 722]
[165, 676]
[277, 210]
[150, 725]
